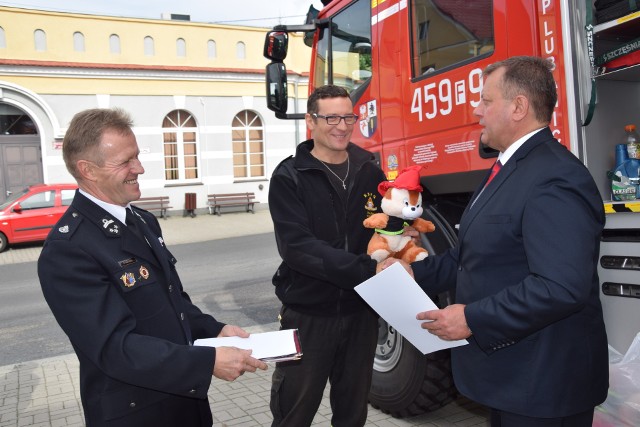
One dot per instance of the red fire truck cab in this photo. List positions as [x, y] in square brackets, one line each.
[413, 69]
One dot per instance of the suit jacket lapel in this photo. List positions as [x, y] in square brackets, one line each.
[160, 253]
[483, 197]
[135, 245]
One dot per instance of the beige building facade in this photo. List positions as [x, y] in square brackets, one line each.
[196, 93]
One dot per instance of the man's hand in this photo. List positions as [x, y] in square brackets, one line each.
[411, 232]
[233, 331]
[390, 261]
[449, 323]
[231, 362]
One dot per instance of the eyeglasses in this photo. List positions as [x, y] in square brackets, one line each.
[334, 120]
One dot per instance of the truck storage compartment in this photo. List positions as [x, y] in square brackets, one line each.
[619, 271]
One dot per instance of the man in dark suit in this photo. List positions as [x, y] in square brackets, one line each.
[524, 268]
[112, 285]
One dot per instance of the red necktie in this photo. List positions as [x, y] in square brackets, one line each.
[494, 171]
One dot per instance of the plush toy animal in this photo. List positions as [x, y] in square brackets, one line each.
[401, 205]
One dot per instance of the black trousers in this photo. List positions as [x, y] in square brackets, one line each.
[339, 349]
[508, 419]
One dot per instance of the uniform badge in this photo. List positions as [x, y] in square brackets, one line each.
[110, 225]
[64, 229]
[144, 273]
[128, 279]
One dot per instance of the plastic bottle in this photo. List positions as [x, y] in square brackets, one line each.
[625, 178]
[622, 155]
[632, 139]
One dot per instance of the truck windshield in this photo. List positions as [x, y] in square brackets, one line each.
[448, 32]
[343, 55]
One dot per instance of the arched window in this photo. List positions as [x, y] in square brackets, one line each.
[211, 49]
[78, 41]
[40, 40]
[114, 43]
[3, 40]
[181, 48]
[248, 145]
[149, 47]
[240, 50]
[180, 139]
[14, 121]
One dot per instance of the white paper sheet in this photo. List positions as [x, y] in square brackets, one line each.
[268, 346]
[397, 298]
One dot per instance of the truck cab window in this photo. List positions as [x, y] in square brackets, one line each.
[448, 32]
[343, 54]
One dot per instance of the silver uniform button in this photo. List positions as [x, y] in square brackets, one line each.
[181, 316]
[132, 405]
[170, 288]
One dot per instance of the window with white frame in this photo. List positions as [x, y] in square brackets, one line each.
[180, 140]
[247, 134]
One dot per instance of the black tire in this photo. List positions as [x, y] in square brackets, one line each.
[3, 242]
[416, 384]
[405, 382]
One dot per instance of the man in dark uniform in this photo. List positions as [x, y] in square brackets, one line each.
[113, 287]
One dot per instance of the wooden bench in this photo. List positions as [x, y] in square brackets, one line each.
[154, 204]
[218, 201]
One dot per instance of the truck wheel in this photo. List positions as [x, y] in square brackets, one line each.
[3, 242]
[405, 382]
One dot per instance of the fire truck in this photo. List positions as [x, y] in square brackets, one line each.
[413, 69]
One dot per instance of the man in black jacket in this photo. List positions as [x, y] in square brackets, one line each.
[318, 200]
[113, 287]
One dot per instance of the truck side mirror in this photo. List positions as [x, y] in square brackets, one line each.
[277, 87]
[276, 44]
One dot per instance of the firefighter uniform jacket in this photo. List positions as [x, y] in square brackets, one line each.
[120, 301]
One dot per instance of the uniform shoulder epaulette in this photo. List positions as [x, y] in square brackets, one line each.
[67, 225]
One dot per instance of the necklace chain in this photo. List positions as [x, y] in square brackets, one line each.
[344, 185]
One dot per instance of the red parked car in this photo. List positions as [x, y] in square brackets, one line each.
[29, 215]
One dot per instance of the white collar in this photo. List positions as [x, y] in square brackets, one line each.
[116, 211]
[506, 155]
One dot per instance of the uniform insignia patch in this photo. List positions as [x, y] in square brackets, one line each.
[110, 225]
[126, 262]
[128, 279]
[144, 273]
[64, 229]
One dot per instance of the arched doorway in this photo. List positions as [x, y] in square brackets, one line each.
[20, 152]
